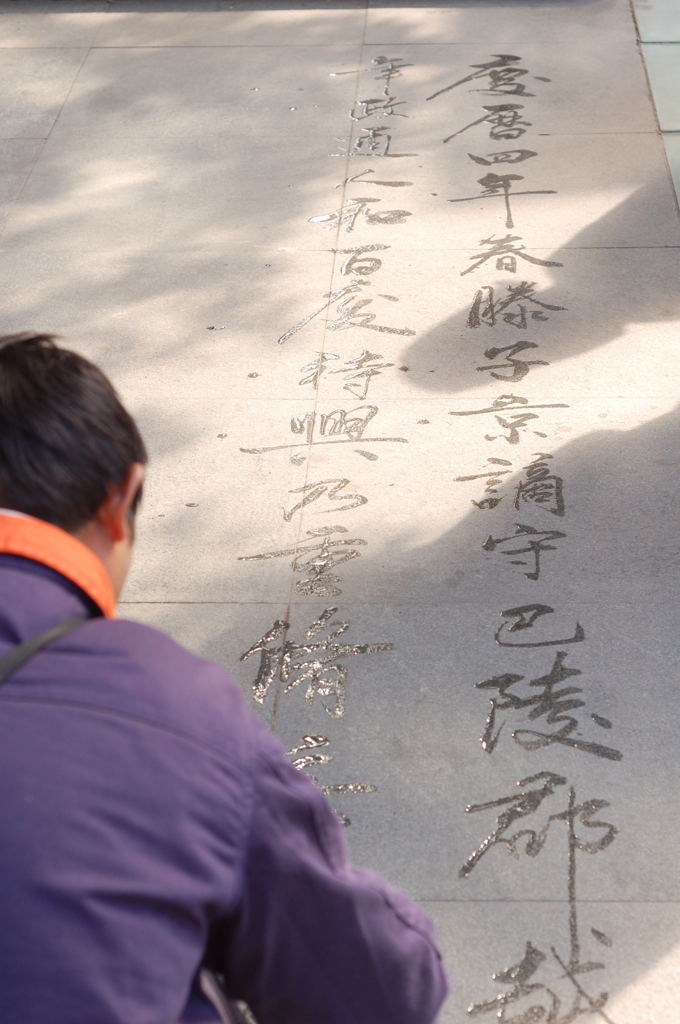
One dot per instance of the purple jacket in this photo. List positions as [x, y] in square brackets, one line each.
[151, 825]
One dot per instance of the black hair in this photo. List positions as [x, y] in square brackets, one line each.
[65, 437]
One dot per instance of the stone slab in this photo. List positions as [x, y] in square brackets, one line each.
[150, 194]
[410, 550]
[493, 23]
[565, 89]
[663, 68]
[196, 523]
[34, 85]
[194, 92]
[612, 330]
[247, 26]
[431, 212]
[672, 144]
[17, 158]
[641, 964]
[412, 722]
[163, 6]
[60, 7]
[103, 194]
[145, 317]
[227, 6]
[658, 21]
[36, 25]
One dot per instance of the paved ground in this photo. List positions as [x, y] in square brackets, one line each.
[659, 30]
[393, 292]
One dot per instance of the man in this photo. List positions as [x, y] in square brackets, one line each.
[152, 828]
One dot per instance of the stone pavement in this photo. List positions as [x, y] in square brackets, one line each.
[659, 30]
[392, 289]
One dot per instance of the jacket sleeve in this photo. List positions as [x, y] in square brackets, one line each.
[315, 940]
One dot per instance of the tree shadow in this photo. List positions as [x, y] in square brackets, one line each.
[597, 294]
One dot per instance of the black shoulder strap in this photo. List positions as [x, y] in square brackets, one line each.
[20, 654]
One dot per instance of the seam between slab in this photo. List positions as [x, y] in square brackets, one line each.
[153, 253]
[275, 46]
[675, 187]
[563, 902]
[44, 140]
[234, 604]
[208, 46]
[278, 694]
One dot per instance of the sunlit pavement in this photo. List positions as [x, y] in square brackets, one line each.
[392, 290]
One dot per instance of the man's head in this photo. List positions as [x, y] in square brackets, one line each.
[69, 452]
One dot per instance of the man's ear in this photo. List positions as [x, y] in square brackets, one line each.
[114, 512]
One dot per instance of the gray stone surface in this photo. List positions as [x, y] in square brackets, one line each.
[489, 22]
[672, 143]
[17, 158]
[413, 725]
[172, 177]
[34, 84]
[302, 25]
[193, 91]
[51, 25]
[663, 68]
[615, 332]
[102, 301]
[640, 976]
[576, 97]
[101, 193]
[199, 490]
[658, 21]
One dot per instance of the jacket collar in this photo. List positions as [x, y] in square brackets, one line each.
[51, 546]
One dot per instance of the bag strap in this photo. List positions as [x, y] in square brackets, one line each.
[20, 654]
[229, 1011]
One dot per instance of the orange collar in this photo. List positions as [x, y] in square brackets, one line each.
[42, 542]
